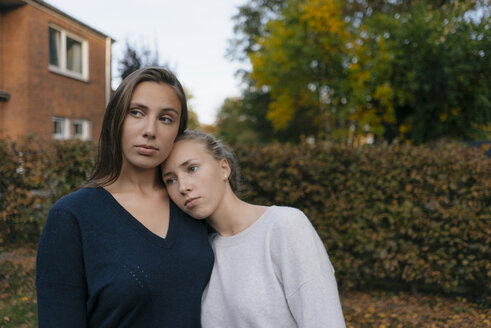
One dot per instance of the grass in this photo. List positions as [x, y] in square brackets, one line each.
[17, 293]
[387, 309]
[361, 309]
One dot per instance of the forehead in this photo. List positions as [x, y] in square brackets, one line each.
[184, 150]
[156, 93]
[190, 147]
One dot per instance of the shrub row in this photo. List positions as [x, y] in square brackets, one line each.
[412, 215]
[33, 175]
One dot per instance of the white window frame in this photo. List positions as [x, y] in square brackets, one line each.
[62, 55]
[86, 125]
[65, 128]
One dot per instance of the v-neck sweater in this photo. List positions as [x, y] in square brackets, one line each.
[98, 266]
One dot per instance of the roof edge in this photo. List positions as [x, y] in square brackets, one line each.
[59, 12]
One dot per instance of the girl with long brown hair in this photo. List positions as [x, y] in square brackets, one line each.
[118, 252]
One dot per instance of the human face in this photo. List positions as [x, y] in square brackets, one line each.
[151, 125]
[195, 180]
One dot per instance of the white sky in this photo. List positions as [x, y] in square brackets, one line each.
[191, 36]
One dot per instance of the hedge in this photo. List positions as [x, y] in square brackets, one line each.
[409, 215]
[34, 174]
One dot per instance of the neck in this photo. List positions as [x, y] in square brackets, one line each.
[136, 181]
[234, 215]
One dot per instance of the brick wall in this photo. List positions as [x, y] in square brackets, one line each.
[15, 25]
[36, 93]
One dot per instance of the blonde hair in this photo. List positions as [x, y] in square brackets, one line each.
[219, 150]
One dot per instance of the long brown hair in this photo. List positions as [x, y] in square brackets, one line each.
[109, 157]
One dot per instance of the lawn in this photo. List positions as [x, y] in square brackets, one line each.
[17, 294]
[361, 309]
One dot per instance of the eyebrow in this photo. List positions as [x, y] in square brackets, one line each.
[185, 163]
[142, 106]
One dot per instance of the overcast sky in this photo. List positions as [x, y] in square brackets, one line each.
[191, 36]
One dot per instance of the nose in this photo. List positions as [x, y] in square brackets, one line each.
[184, 186]
[149, 129]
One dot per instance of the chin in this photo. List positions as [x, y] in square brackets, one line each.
[195, 214]
[148, 164]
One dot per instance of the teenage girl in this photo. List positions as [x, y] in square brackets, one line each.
[118, 252]
[271, 268]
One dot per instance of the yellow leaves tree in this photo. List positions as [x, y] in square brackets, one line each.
[299, 61]
[416, 71]
[324, 17]
[417, 74]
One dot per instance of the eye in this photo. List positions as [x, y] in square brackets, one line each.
[169, 181]
[166, 119]
[193, 168]
[135, 112]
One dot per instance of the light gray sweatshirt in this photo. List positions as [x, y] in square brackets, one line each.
[276, 273]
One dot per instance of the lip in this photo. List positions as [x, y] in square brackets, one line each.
[146, 149]
[191, 202]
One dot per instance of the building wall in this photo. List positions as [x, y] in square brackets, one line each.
[38, 94]
[2, 74]
[13, 113]
[2, 71]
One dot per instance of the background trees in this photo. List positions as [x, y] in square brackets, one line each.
[341, 69]
[425, 74]
[135, 57]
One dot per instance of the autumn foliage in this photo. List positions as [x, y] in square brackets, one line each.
[396, 215]
[333, 69]
[34, 174]
[389, 215]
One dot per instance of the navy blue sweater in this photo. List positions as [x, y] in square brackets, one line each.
[97, 266]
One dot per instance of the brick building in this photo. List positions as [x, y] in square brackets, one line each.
[55, 72]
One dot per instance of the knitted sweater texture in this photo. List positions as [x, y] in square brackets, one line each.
[97, 266]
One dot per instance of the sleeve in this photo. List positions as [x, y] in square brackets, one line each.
[303, 267]
[60, 275]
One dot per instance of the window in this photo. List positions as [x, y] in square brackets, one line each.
[65, 128]
[78, 128]
[61, 128]
[68, 53]
[81, 129]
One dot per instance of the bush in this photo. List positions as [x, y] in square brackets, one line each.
[35, 173]
[410, 215]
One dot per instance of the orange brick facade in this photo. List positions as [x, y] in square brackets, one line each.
[38, 94]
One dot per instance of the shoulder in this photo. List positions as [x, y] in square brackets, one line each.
[289, 225]
[289, 219]
[83, 203]
[67, 216]
[75, 199]
[287, 212]
[295, 240]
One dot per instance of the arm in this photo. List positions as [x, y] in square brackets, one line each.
[303, 267]
[60, 275]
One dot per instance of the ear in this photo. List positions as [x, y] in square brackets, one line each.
[225, 167]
